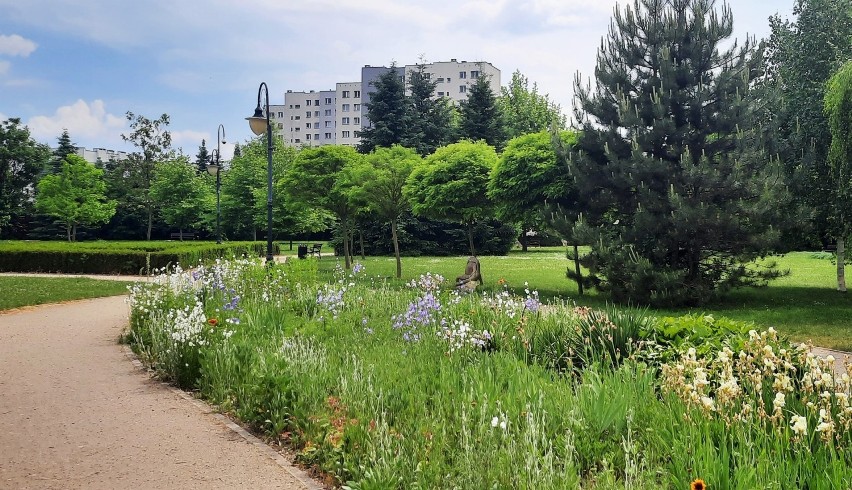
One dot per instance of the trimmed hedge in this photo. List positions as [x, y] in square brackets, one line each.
[116, 257]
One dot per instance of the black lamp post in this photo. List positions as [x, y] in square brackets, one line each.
[215, 168]
[258, 124]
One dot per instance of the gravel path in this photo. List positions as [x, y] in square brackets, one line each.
[75, 413]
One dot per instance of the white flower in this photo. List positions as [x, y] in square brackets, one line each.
[503, 425]
[707, 402]
[778, 403]
[495, 421]
[799, 424]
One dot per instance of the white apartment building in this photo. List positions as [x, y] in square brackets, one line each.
[102, 154]
[315, 118]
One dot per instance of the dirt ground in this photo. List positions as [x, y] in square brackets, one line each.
[76, 413]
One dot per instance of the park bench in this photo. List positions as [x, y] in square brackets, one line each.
[315, 250]
[182, 236]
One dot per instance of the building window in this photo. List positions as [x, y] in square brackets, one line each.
[316, 136]
[345, 94]
[449, 79]
[462, 89]
[344, 134]
[345, 107]
[297, 117]
[356, 120]
[291, 106]
[280, 125]
[316, 125]
[357, 107]
[328, 136]
[345, 120]
[308, 115]
[308, 137]
[327, 100]
[308, 103]
[357, 94]
[462, 74]
[328, 124]
[440, 80]
[280, 115]
[316, 113]
[297, 129]
[298, 140]
[440, 94]
[316, 102]
[474, 74]
[298, 106]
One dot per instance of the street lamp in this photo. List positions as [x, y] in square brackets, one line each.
[216, 169]
[258, 124]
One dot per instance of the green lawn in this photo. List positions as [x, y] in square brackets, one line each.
[27, 291]
[803, 305]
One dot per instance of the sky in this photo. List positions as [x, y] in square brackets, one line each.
[81, 65]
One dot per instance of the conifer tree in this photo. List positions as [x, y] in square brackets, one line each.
[481, 117]
[429, 118]
[387, 112]
[677, 205]
[202, 158]
[64, 148]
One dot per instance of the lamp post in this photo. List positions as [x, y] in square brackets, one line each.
[215, 168]
[258, 124]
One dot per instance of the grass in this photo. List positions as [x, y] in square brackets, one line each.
[804, 305]
[29, 291]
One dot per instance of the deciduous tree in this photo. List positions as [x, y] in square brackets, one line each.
[21, 160]
[154, 142]
[527, 111]
[75, 196]
[183, 196]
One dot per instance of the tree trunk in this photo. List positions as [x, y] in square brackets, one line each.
[577, 269]
[68, 231]
[150, 222]
[361, 239]
[180, 232]
[254, 234]
[396, 248]
[524, 241]
[74, 232]
[347, 261]
[470, 238]
[841, 265]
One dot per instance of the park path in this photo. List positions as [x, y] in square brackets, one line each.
[76, 413]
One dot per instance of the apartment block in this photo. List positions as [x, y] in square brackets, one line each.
[102, 154]
[315, 118]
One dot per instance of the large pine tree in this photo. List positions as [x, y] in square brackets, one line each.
[64, 148]
[429, 118]
[386, 112]
[481, 117]
[677, 205]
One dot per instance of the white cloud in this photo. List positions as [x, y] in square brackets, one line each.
[83, 120]
[16, 45]
[4, 67]
[190, 140]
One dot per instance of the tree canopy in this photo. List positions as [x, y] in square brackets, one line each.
[387, 112]
[527, 111]
[21, 160]
[480, 116]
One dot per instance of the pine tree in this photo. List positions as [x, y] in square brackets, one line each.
[386, 111]
[237, 150]
[429, 118]
[202, 158]
[65, 147]
[677, 205]
[481, 117]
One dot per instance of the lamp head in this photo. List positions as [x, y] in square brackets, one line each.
[257, 122]
[213, 169]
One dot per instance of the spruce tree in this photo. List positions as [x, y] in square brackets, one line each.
[481, 117]
[64, 148]
[429, 118]
[386, 111]
[237, 150]
[202, 158]
[677, 203]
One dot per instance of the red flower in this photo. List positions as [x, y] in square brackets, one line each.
[213, 321]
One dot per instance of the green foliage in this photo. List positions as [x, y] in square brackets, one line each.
[64, 147]
[75, 196]
[480, 115]
[429, 118]
[838, 105]
[183, 195]
[526, 111]
[202, 158]
[451, 184]
[21, 159]
[387, 112]
[675, 202]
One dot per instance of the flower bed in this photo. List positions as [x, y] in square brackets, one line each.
[385, 388]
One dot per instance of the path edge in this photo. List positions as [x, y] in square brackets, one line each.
[297, 473]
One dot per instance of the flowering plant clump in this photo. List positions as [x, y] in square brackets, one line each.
[330, 298]
[460, 334]
[770, 383]
[427, 282]
[422, 312]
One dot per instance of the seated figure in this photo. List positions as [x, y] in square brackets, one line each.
[472, 276]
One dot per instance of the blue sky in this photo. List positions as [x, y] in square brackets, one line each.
[82, 64]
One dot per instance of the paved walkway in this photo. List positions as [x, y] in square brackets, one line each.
[75, 413]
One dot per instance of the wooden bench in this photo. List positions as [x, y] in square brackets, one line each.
[315, 250]
[182, 236]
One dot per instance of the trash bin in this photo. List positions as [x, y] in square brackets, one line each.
[302, 250]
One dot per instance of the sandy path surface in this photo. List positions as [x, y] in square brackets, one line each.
[76, 413]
